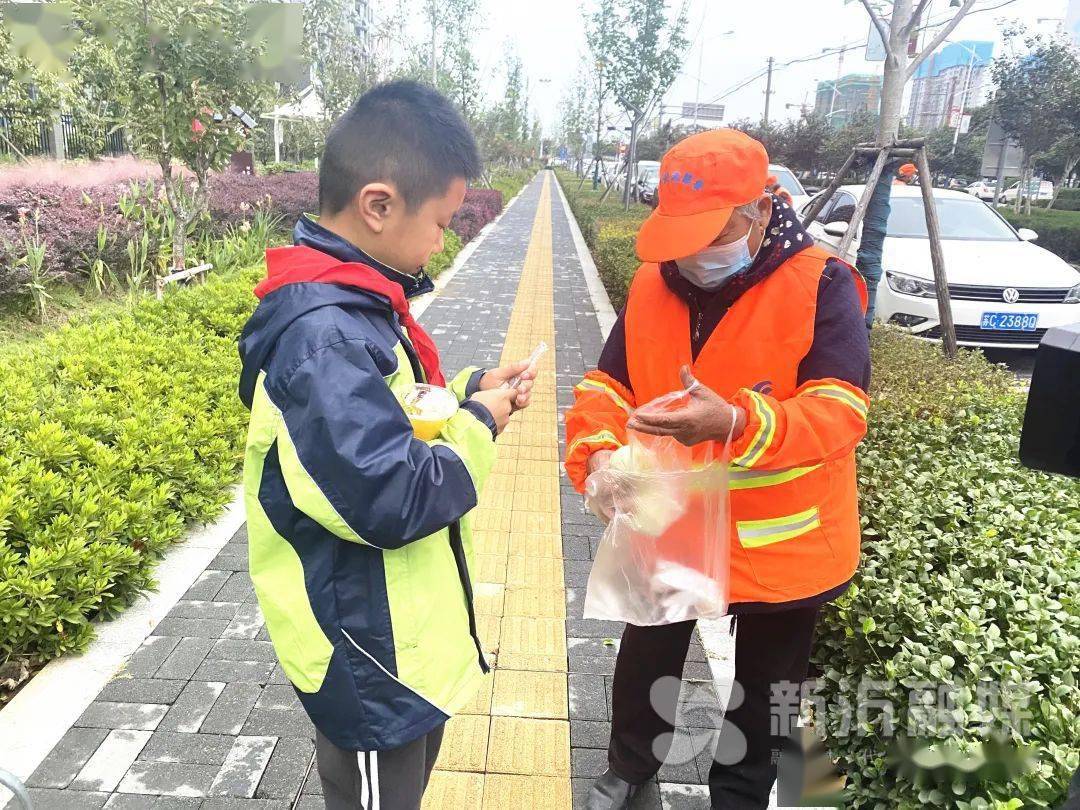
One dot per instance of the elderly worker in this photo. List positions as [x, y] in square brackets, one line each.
[734, 293]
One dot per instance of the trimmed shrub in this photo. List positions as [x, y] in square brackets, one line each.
[967, 581]
[1059, 230]
[441, 261]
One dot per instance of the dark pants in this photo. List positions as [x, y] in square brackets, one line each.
[769, 648]
[377, 780]
[875, 222]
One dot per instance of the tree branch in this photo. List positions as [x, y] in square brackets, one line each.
[916, 15]
[942, 35]
[879, 24]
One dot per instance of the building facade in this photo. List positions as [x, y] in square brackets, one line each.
[938, 89]
[839, 100]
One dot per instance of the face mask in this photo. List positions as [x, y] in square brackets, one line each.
[711, 267]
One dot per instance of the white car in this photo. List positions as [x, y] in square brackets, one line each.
[983, 189]
[787, 179]
[1044, 190]
[1005, 291]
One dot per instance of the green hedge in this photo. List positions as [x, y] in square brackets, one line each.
[116, 433]
[510, 181]
[1059, 230]
[968, 572]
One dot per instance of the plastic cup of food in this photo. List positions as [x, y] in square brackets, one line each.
[429, 408]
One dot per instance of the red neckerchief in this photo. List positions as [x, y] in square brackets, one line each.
[298, 264]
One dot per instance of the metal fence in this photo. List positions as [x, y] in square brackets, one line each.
[29, 137]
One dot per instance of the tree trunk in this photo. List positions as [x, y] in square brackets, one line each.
[1070, 164]
[892, 95]
[179, 242]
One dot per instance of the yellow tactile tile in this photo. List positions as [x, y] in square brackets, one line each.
[535, 522]
[506, 792]
[481, 702]
[547, 603]
[491, 520]
[520, 693]
[488, 598]
[489, 628]
[534, 572]
[489, 567]
[529, 746]
[452, 789]
[528, 499]
[531, 643]
[489, 542]
[535, 545]
[465, 743]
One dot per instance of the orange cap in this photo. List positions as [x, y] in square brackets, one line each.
[906, 170]
[702, 180]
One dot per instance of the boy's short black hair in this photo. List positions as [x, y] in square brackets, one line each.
[402, 132]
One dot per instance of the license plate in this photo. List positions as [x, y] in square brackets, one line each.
[1009, 321]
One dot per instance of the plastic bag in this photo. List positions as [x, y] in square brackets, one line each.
[665, 555]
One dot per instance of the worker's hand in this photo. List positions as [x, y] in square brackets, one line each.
[599, 460]
[496, 378]
[600, 487]
[707, 416]
[500, 402]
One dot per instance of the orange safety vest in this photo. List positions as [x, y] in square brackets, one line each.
[794, 510]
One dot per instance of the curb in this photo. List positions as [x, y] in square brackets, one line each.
[36, 718]
[605, 313]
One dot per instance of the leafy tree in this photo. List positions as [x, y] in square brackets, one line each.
[860, 128]
[340, 67]
[802, 141]
[27, 95]
[655, 144]
[181, 69]
[1037, 97]
[574, 119]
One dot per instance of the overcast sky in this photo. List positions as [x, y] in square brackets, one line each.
[549, 37]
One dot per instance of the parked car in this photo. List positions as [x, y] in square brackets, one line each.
[1040, 190]
[648, 177]
[1005, 291]
[787, 179]
[983, 189]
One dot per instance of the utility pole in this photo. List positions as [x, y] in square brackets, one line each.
[963, 98]
[768, 93]
[433, 30]
[700, 54]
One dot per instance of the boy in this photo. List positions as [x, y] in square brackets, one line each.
[358, 532]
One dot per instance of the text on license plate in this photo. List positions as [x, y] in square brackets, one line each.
[1009, 321]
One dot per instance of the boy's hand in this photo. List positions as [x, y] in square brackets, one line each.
[496, 378]
[500, 402]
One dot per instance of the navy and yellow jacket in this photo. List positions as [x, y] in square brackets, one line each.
[359, 536]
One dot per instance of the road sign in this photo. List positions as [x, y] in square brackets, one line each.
[958, 120]
[1014, 155]
[705, 112]
[875, 47]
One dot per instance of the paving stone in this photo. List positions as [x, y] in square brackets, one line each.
[230, 559]
[234, 671]
[191, 749]
[248, 623]
[529, 694]
[67, 758]
[680, 765]
[592, 665]
[590, 734]
[48, 799]
[516, 792]
[233, 803]
[105, 769]
[144, 716]
[235, 649]
[243, 767]
[206, 628]
[277, 696]
[684, 797]
[607, 647]
[135, 801]
[203, 609]
[184, 661]
[310, 802]
[168, 779]
[278, 676]
[594, 628]
[577, 548]
[698, 705]
[191, 708]
[146, 660]
[587, 698]
[697, 671]
[279, 723]
[231, 709]
[207, 585]
[588, 762]
[237, 589]
[126, 689]
[288, 764]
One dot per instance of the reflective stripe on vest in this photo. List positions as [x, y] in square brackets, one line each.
[763, 437]
[837, 392]
[595, 385]
[755, 533]
[605, 438]
[754, 479]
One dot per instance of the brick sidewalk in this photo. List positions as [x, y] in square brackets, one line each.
[203, 717]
